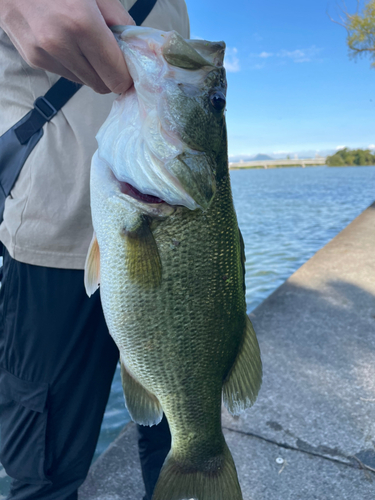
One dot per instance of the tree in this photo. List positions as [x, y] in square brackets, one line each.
[360, 29]
[347, 157]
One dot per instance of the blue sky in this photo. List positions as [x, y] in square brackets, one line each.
[291, 85]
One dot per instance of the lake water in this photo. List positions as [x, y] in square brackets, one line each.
[285, 215]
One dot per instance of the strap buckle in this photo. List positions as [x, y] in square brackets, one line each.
[45, 108]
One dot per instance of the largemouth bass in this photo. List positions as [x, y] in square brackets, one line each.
[169, 257]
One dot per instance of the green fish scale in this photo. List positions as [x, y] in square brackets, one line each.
[180, 339]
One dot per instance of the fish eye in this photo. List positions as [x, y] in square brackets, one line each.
[218, 101]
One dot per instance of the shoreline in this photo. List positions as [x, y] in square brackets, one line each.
[257, 167]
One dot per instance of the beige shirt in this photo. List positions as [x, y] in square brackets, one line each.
[47, 218]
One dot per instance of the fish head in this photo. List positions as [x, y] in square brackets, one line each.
[163, 136]
[195, 102]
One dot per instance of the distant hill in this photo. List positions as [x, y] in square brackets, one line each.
[237, 158]
[261, 157]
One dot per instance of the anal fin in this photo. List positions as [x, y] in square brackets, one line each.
[143, 407]
[243, 382]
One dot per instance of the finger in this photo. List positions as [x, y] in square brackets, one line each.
[48, 63]
[103, 52]
[114, 13]
[62, 71]
[108, 62]
[89, 55]
[78, 65]
[75, 68]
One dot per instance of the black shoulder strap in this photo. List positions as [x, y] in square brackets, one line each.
[141, 9]
[46, 107]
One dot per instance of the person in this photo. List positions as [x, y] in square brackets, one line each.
[57, 359]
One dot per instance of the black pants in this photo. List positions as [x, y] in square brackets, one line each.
[57, 362]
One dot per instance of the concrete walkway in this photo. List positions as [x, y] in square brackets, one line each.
[311, 434]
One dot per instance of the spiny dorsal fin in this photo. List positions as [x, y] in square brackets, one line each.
[92, 267]
[242, 385]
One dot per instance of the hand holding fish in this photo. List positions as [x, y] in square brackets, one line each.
[70, 38]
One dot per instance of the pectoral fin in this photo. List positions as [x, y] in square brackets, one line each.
[143, 259]
[143, 407]
[242, 385]
[92, 267]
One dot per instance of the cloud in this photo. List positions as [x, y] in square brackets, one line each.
[265, 54]
[231, 61]
[340, 147]
[372, 146]
[300, 55]
[258, 66]
[297, 55]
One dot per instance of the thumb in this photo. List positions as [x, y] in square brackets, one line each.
[113, 69]
[114, 13]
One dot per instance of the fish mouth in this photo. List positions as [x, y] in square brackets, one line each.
[133, 192]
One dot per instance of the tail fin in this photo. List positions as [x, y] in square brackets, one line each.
[217, 482]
